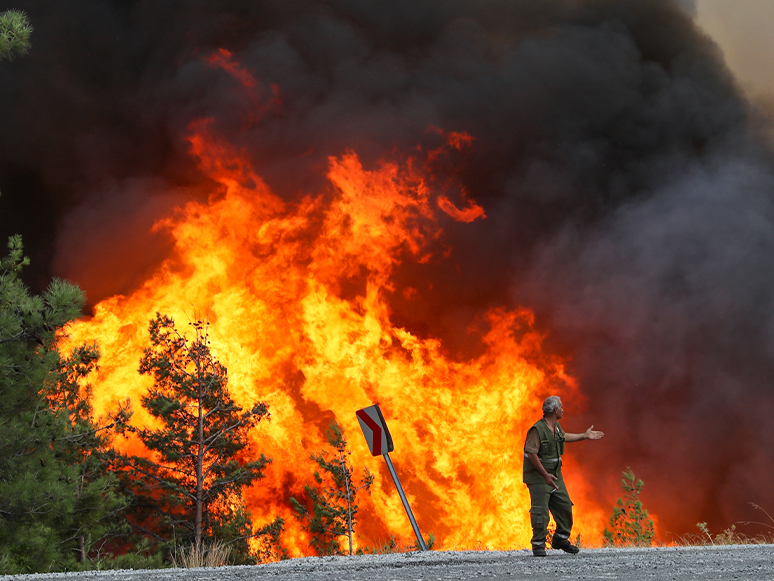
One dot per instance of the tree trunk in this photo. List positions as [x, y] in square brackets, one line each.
[78, 493]
[199, 475]
[349, 501]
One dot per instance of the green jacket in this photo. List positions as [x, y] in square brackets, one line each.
[550, 453]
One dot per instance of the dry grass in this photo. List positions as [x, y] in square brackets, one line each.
[731, 536]
[215, 554]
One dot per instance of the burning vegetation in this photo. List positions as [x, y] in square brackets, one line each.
[297, 297]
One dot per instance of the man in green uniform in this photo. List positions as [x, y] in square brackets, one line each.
[543, 451]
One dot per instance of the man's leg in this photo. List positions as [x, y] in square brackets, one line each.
[538, 515]
[561, 509]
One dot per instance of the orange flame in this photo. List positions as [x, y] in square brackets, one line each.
[469, 214]
[224, 59]
[272, 277]
[249, 85]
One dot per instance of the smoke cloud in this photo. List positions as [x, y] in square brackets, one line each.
[626, 181]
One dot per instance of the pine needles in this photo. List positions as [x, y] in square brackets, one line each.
[15, 31]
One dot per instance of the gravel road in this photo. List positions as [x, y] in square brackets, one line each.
[724, 563]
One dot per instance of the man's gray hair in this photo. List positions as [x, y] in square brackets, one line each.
[549, 406]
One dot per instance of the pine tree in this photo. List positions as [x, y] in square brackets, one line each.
[194, 478]
[39, 477]
[15, 30]
[330, 507]
[86, 446]
[630, 523]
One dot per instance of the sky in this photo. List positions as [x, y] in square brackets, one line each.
[742, 28]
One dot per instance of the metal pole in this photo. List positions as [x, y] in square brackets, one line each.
[403, 498]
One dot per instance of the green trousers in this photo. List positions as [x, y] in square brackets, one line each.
[560, 506]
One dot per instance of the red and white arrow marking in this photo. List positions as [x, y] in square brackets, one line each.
[375, 430]
[375, 441]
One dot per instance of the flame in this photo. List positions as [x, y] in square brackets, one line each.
[271, 276]
[469, 214]
[249, 87]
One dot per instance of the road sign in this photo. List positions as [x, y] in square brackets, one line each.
[375, 430]
[380, 443]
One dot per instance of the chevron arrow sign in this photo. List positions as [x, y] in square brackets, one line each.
[375, 430]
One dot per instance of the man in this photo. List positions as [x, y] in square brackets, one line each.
[543, 451]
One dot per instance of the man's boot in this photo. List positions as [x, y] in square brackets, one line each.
[538, 551]
[564, 545]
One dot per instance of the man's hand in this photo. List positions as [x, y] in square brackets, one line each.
[549, 478]
[591, 434]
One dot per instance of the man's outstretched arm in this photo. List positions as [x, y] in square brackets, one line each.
[589, 434]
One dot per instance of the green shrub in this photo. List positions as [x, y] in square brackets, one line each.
[630, 524]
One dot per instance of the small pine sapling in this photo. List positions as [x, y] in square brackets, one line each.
[630, 523]
[330, 507]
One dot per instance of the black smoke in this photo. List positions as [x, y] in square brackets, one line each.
[627, 183]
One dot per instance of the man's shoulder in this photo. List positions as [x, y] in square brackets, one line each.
[532, 441]
[539, 424]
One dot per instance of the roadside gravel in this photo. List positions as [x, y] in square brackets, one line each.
[733, 562]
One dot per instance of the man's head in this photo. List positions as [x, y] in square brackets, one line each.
[552, 405]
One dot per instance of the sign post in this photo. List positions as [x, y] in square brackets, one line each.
[380, 442]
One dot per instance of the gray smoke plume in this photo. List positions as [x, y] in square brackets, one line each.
[627, 183]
